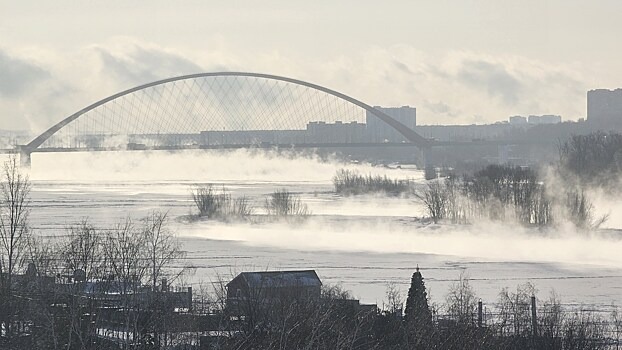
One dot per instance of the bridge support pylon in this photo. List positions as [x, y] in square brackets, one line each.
[25, 160]
[424, 157]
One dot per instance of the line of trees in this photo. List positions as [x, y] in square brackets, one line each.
[514, 322]
[92, 281]
[62, 293]
[594, 159]
[542, 198]
[502, 193]
[335, 321]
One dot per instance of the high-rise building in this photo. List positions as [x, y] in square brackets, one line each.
[544, 119]
[380, 131]
[604, 106]
[518, 120]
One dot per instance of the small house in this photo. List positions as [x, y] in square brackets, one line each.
[253, 289]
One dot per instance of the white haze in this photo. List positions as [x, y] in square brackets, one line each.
[195, 166]
[485, 241]
[607, 205]
[365, 223]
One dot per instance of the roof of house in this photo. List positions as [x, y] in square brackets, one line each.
[267, 279]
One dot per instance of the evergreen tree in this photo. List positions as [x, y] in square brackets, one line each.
[417, 314]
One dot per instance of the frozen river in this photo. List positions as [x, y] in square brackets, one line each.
[362, 243]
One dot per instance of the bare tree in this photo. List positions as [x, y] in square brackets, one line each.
[461, 302]
[394, 299]
[454, 207]
[514, 310]
[14, 231]
[126, 266]
[123, 249]
[41, 253]
[83, 260]
[82, 251]
[162, 249]
[551, 320]
[434, 198]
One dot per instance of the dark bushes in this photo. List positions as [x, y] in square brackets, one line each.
[507, 193]
[350, 182]
[282, 203]
[222, 206]
[596, 159]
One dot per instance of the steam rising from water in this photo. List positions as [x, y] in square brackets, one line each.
[363, 223]
[488, 242]
[606, 204]
[195, 166]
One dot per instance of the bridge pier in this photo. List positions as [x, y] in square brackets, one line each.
[424, 157]
[25, 160]
[427, 164]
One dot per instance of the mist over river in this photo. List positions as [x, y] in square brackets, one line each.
[360, 242]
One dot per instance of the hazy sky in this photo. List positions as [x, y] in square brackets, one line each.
[456, 61]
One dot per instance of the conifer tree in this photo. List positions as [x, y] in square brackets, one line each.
[417, 314]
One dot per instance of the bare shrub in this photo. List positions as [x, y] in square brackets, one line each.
[395, 302]
[584, 329]
[551, 318]
[514, 310]
[283, 203]
[208, 202]
[220, 205]
[580, 210]
[240, 208]
[350, 182]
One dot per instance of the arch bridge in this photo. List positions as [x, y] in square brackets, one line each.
[221, 110]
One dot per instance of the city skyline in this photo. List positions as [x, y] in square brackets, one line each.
[457, 63]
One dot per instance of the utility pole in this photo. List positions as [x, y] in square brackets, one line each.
[534, 319]
[480, 314]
